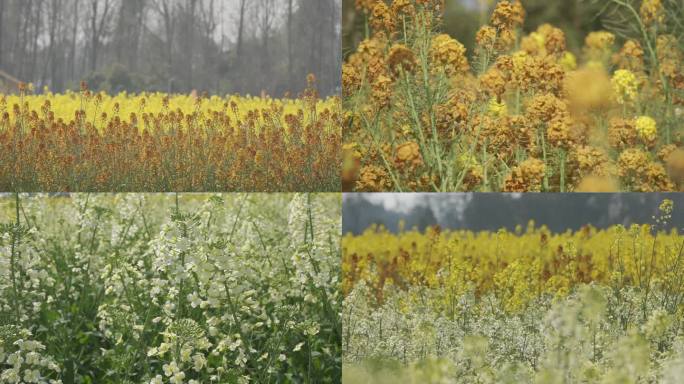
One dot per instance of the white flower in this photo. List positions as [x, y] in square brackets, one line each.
[31, 376]
[170, 369]
[282, 357]
[177, 378]
[199, 361]
[185, 354]
[157, 380]
[32, 358]
[298, 347]
[169, 307]
[15, 360]
[163, 348]
[11, 376]
[194, 300]
[53, 367]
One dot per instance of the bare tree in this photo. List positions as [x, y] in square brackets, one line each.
[223, 46]
[128, 29]
[2, 25]
[265, 14]
[54, 26]
[242, 7]
[74, 36]
[98, 24]
[166, 11]
[290, 39]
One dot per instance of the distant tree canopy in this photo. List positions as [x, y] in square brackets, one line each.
[493, 211]
[217, 46]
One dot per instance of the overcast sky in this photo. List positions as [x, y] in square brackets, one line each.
[405, 202]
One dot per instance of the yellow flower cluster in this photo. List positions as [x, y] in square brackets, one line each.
[124, 105]
[516, 266]
[646, 127]
[625, 85]
[531, 114]
[159, 142]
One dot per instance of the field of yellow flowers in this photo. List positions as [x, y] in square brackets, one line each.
[529, 306]
[84, 141]
[170, 288]
[521, 112]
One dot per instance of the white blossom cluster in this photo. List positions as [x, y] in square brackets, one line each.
[595, 335]
[22, 360]
[136, 288]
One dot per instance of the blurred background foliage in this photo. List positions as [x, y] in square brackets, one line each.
[463, 18]
[559, 212]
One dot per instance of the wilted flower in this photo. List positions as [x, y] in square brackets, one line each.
[408, 154]
[373, 179]
[448, 55]
[381, 18]
[401, 58]
[652, 12]
[486, 37]
[527, 177]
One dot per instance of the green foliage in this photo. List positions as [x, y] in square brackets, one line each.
[168, 289]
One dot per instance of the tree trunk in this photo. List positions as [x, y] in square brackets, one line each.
[36, 22]
[137, 30]
[241, 27]
[290, 14]
[23, 41]
[94, 40]
[2, 17]
[190, 25]
[127, 35]
[74, 36]
[55, 81]
[169, 31]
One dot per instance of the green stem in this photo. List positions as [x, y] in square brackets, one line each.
[13, 259]
[546, 175]
[562, 171]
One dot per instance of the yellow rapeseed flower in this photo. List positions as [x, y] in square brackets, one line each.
[625, 86]
[568, 61]
[646, 128]
[497, 108]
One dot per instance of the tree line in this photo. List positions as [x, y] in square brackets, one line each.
[217, 46]
[493, 211]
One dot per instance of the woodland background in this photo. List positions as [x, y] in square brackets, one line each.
[493, 211]
[217, 46]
